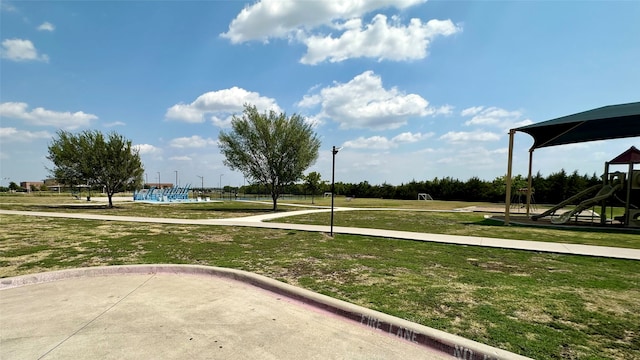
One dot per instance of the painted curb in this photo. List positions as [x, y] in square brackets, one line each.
[457, 347]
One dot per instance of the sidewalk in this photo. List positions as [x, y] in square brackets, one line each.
[560, 248]
[198, 312]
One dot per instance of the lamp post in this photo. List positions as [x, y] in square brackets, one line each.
[158, 179]
[220, 185]
[176, 171]
[334, 151]
[201, 184]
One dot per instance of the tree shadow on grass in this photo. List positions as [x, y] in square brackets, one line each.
[71, 207]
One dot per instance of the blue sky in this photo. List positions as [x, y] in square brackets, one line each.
[411, 89]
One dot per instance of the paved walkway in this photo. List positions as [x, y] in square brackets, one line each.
[257, 221]
[197, 312]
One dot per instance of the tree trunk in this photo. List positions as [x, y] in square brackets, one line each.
[110, 196]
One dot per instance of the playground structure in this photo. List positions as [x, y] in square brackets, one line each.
[603, 123]
[163, 195]
[614, 185]
[519, 199]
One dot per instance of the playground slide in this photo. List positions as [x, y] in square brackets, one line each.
[607, 191]
[575, 197]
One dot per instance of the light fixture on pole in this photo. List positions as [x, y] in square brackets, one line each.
[176, 171]
[334, 151]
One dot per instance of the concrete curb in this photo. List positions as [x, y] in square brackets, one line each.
[453, 345]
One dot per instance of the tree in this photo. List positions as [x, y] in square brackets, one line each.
[313, 183]
[13, 186]
[90, 158]
[269, 148]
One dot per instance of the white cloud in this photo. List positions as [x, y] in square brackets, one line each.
[281, 18]
[378, 40]
[471, 111]
[180, 158]
[374, 142]
[463, 136]
[9, 134]
[301, 21]
[382, 143]
[115, 123]
[473, 158]
[521, 123]
[147, 149]
[42, 117]
[364, 103]
[21, 50]
[46, 26]
[444, 110]
[408, 137]
[5, 6]
[494, 117]
[222, 122]
[194, 141]
[220, 104]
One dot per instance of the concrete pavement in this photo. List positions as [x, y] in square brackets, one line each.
[197, 312]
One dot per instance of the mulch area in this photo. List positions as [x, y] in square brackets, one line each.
[519, 217]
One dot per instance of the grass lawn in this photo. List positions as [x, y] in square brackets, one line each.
[185, 210]
[545, 306]
[467, 224]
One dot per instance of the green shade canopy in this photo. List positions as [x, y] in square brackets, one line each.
[608, 122]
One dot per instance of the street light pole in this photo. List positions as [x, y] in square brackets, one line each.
[158, 179]
[176, 171]
[202, 184]
[220, 184]
[334, 151]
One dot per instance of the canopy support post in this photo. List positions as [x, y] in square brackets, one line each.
[530, 181]
[603, 206]
[507, 200]
[627, 206]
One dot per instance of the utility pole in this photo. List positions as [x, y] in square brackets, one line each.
[334, 151]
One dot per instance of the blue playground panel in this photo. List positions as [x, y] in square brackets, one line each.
[163, 195]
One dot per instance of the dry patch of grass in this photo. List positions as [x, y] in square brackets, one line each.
[545, 306]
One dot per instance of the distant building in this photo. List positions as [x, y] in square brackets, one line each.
[29, 185]
[158, 186]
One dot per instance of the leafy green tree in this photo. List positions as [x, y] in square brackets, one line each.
[313, 184]
[269, 148]
[91, 158]
[13, 186]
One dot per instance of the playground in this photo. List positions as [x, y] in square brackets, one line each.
[618, 188]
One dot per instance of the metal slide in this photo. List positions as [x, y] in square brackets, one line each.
[575, 197]
[605, 192]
